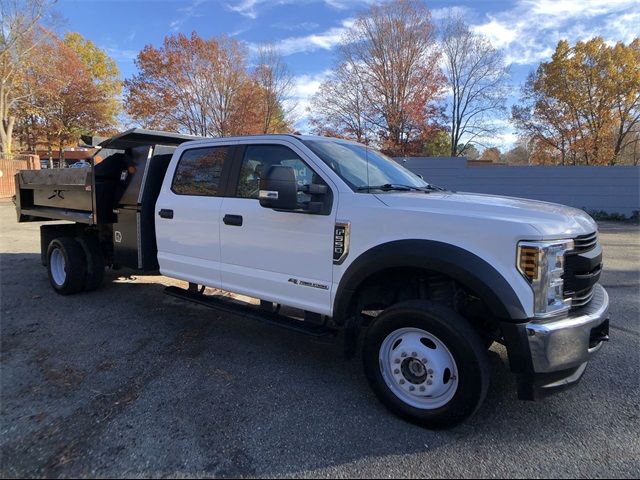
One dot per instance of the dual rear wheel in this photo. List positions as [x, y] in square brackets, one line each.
[75, 264]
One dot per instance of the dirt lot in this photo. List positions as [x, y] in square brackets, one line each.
[127, 381]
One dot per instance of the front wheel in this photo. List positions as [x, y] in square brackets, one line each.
[426, 364]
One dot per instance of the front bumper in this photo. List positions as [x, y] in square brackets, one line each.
[549, 355]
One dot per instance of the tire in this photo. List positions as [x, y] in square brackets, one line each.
[66, 265]
[439, 347]
[95, 262]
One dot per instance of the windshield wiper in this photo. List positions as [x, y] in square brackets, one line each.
[389, 186]
[434, 188]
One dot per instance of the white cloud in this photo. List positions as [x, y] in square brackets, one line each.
[316, 41]
[304, 87]
[186, 13]
[438, 14]
[529, 31]
[122, 55]
[245, 7]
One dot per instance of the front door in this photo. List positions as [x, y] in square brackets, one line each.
[284, 257]
[188, 215]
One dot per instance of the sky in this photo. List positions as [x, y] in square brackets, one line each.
[308, 31]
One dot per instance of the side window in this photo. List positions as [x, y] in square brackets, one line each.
[257, 161]
[199, 170]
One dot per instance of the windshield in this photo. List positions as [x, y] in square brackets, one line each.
[363, 168]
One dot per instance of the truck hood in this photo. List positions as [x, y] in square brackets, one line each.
[551, 220]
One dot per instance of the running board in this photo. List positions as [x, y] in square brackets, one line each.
[251, 312]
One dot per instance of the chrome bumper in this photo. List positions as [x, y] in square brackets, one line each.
[569, 342]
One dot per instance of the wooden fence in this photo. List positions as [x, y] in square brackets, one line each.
[9, 165]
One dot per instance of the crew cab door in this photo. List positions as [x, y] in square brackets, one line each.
[188, 214]
[279, 256]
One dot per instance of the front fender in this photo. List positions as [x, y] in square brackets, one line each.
[463, 266]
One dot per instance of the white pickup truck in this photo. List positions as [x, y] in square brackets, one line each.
[421, 279]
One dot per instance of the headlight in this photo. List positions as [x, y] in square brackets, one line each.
[542, 264]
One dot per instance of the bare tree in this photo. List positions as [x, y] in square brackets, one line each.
[477, 79]
[391, 48]
[339, 107]
[18, 23]
[273, 77]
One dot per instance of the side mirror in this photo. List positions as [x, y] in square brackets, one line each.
[279, 189]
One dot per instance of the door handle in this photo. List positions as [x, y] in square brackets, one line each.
[235, 220]
[165, 213]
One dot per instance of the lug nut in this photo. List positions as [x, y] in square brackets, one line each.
[429, 382]
[422, 389]
[404, 354]
[396, 371]
[414, 354]
[424, 360]
[401, 382]
[412, 388]
[397, 360]
[430, 372]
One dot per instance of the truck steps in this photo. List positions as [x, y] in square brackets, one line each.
[250, 311]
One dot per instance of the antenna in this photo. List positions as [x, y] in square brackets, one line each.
[366, 156]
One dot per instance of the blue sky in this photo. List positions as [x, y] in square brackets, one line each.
[307, 31]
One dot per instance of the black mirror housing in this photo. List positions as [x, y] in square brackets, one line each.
[279, 189]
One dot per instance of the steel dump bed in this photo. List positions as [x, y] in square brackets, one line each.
[131, 168]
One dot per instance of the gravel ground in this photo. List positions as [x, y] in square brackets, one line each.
[128, 382]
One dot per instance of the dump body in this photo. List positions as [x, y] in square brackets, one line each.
[115, 197]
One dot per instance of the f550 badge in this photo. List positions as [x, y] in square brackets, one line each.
[341, 235]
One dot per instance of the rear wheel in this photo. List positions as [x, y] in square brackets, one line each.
[426, 364]
[66, 265]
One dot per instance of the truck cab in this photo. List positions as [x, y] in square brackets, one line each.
[421, 279]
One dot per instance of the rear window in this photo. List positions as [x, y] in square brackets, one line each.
[199, 170]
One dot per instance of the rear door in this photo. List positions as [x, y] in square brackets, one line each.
[283, 257]
[188, 214]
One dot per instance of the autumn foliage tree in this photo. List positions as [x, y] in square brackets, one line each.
[64, 102]
[389, 61]
[19, 37]
[583, 106]
[103, 71]
[198, 86]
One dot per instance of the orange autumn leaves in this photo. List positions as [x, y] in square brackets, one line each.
[583, 106]
[202, 87]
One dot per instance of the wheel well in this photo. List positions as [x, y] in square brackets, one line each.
[398, 284]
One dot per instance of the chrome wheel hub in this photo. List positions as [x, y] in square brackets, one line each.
[418, 368]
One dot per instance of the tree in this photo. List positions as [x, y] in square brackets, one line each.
[102, 68]
[491, 154]
[339, 107]
[439, 146]
[275, 82]
[477, 78]
[65, 103]
[391, 51]
[195, 86]
[583, 106]
[471, 153]
[18, 38]
[518, 155]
